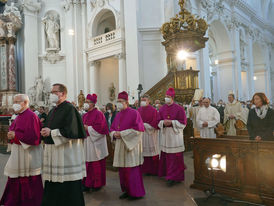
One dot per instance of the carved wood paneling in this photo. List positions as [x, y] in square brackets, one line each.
[250, 167]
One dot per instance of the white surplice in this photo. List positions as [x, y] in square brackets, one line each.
[212, 117]
[172, 138]
[95, 146]
[128, 149]
[64, 160]
[24, 161]
[150, 141]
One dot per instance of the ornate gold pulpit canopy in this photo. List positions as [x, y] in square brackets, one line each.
[184, 32]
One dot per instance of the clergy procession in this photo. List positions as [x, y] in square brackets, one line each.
[136, 102]
[55, 162]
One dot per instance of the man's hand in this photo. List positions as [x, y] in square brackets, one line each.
[117, 135]
[11, 134]
[45, 132]
[167, 122]
[205, 124]
[86, 127]
[258, 138]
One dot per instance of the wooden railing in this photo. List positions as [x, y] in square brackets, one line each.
[249, 168]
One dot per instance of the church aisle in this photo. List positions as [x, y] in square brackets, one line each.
[158, 194]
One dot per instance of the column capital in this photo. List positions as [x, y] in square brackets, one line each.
[30, 6]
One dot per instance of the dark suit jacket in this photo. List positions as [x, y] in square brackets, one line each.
[112, 118]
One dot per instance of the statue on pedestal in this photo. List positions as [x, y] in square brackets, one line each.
[81, 99]
[52, 29]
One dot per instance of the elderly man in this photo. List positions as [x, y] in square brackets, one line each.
[150, 138]
[232, 113]
[126, 130]
[207, 119]
[95, 146]
[64, 161]
[24, 186]
[172, 121]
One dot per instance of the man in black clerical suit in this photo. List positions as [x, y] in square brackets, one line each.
[64, 163]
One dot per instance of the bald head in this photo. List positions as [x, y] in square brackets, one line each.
[206, 102]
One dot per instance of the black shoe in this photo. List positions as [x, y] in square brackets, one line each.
[134, 198]
[124, 196]
[96, 189]
[170, 183]
[85, 189]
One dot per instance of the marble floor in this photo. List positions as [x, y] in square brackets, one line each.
[157, 192]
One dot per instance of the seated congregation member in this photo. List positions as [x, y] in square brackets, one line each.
[24, 186]
[260, 123]
[172, 121]
[64, 161]
[127, 130]
[207, 119]
[95, 145]
[150, 137]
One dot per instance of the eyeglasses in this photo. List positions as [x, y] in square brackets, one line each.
[54, 92]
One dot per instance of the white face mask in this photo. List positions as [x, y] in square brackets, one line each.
[53, 98]
[109, 111]
[167, 100]
[16, 107]
[158, 106]
[143, 103]
[120, 106]
[86, 106]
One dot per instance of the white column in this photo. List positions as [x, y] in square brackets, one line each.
[69, 48]
[203, 65]
[250, 68]
[31, 52]
[267, 72]
[84, 46]
[93, 77]
[122, 73]
[237, 64]
[131, 41]
[77, 34]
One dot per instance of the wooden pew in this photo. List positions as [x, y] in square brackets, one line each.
[250, 168]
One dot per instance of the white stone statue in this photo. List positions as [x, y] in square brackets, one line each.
[39, 90]
[12, 9]
[52, 29]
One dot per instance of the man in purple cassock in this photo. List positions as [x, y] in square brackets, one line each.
[172, 121]
[95, 145]
[126, 130]
[150, 137]
[24, 186]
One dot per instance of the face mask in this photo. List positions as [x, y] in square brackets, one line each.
[16, 107]
[167, 100]
[143, 103]
[86, 106]
[53, 98]
[120, 106]
[109, 111]
[158, 106]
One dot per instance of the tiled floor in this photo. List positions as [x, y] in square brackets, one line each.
[158, 194]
